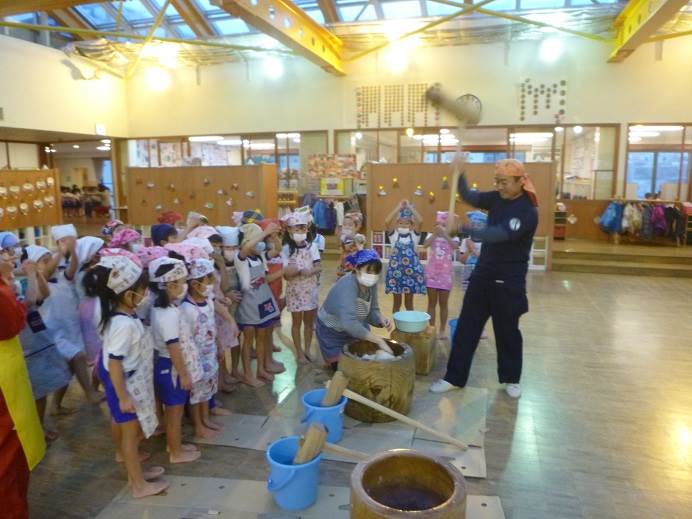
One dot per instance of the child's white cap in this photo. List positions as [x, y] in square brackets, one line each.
[63, 231]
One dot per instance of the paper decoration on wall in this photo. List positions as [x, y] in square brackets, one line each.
[158, 207]
[416, 105]
[3, 192]
[381, 191]
[250, 194]
[221, 192]
[445, 182]
[11, 211]
[229, 202]
[368, 106]
[394, 105]
[41, 185]
[171, 187]
[431, 196]
[209, 205]
[235, 186]
[14, 191]
[38, 205]
[395, 182]
[176, 201]
[50, 181]
[418, 191]
[28, 187]
[24, 208]
[207, 181]
[540, 102]
[49, 200]
[332, 165]
[151, 185]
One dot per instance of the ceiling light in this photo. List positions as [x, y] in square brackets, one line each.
[409, 132]
[642, 127]
[359, 136]
[444, 131]
[281, 136]
[559, 129]
[103, 148]
[418, 137]
[75, 146]
[297, 141]
[634, 140]
[106, 141]
[293, 136]
[157, 79]
[641, 133]
[205, 138]
[261, 145]
[577, 130]
[229, 142]
[550, 50]
[273, 68]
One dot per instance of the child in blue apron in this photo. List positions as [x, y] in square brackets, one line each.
[405, 272]
[48, 371]
[258, 309]
[126, 364]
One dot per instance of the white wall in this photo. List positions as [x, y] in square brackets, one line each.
[21, 155]
[68, 176]
[233, 98]
[38, 92]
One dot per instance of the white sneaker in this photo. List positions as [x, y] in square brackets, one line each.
[513, 390]
[442, 386]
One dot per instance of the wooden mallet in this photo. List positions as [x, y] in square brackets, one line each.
[464, 114]
[312, 445]
[398, 416]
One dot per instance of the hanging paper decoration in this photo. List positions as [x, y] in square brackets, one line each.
[381, 191]
[250, 194]
[395, 182]
[159, 207]
[14, 191]
[235, 186]
[221, 192]
[209, 205]
[38, 205]
[11, 211]
[50, 200]
[229, 202]
[50, 181]
[431, 196]
[28, 187]
[171, 187]
[41, 185]
[207, 181]
[24, 208]
[151, 185]
[3, 192]
[176, 201]
[418, 191]
[445, 183]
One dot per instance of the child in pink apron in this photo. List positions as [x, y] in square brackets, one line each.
[439, 271]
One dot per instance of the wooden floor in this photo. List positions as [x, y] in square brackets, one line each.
[638, 248]
[604, 429]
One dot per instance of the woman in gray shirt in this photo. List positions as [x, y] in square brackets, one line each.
[351, 307]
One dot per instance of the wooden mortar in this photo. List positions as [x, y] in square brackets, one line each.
[389, 383]
[404, 483]
[423, 346]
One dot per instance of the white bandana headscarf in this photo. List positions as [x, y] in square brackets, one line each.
[124, 272]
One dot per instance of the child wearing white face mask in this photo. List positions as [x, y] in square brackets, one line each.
[301, 268]
[176, 364]
[198, 312]
[405, 271]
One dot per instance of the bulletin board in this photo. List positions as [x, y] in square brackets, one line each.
[215, 192]
[437, 179]
[29, 198]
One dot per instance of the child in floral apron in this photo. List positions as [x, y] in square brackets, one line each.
[176, 363]
[230, 244]
[125, 367]
[439, 270]
[405, 271]
[301, 266]
[258, 309]
[198, 313]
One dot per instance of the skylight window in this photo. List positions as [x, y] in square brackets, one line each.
[350, 12]
[134, 11]
[95, 14]
[401, 9]
[229, 26]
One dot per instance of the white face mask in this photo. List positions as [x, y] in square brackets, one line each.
[368, 280]
[261, 247]
[299, 237]
[136, 247]
[403, 230]
[143, 302]
[229, 255]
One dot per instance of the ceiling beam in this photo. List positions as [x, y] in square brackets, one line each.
[28, 6]
[638, 21]
[69, 18]
[329, 10]
[289, 25]
[193, 18]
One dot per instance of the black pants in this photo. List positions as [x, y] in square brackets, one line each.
[505, 304]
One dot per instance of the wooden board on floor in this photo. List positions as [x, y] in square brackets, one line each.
[196, 498]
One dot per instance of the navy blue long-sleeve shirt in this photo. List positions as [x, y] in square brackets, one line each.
[507, 238]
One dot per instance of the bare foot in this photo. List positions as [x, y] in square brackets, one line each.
[265, 375]
[62, 410]
[203, 433]
[252, 381]
[185, 456]
[220, 411]
[143, 456]
[153, 472]
[210, 424]
[303, 360]
[276, 367]
[184, 447]
[149, 489]
[96, 397]
[226, 387]
[235, 377]
[275, 349]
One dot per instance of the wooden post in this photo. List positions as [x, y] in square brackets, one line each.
[314, 441]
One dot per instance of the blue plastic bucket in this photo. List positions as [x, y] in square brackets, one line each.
[293, 487]
[452, 329]
[331, 417]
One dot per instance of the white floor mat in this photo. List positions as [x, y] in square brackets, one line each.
[196, 498]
